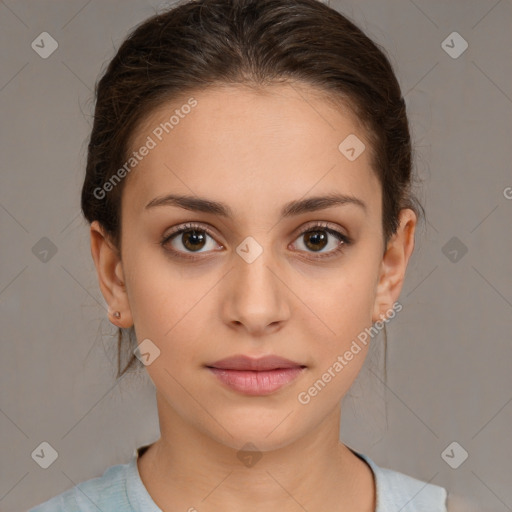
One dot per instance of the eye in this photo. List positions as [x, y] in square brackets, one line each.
[193, 239]
[319, 236]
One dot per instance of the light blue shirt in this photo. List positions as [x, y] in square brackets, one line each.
[120, 489]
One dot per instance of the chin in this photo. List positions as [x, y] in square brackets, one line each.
[265, 433]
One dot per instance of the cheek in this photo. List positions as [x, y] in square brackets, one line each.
[167, 303]
[338, 342]
[341, 305]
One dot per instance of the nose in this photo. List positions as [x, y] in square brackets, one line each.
[255, 296]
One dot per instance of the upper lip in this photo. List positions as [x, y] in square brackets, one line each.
[241, 362]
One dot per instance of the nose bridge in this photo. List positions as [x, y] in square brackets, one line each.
[255, 276]
[252, 266]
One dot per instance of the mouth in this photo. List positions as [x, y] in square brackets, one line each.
[251, 376]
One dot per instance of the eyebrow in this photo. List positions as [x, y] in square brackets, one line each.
[298, 207]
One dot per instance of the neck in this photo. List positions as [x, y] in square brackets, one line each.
[188, 470]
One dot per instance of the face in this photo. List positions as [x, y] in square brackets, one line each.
[262, 266]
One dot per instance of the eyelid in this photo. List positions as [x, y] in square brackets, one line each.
[328, 226]
[200, 226]
[299, 231]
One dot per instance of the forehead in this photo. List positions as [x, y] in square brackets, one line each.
[263, 146]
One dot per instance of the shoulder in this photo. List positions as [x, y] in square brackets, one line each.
[397, 491]
[107, 492]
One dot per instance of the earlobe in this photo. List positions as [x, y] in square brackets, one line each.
[110, 275]
[394, 264]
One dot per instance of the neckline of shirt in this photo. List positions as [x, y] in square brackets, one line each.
[139, 497]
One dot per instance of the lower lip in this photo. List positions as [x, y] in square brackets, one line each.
[257, 382]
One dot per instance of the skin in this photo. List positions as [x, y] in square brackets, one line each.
[253, 150]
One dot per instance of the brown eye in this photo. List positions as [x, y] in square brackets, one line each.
[193, 240]
[315, 240]
[189, 239]
[318, 237]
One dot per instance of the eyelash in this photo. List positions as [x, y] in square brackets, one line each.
[322, 226]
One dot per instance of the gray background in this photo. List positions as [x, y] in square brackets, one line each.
[449, 349]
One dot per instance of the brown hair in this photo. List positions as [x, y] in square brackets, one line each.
[200, 43]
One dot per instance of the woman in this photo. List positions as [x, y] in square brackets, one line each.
[248, 189]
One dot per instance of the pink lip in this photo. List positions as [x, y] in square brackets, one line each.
[252, 376]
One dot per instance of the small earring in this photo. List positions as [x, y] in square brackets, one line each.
[116, 314]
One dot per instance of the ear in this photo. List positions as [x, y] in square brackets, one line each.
[394, 264]
[110, 275]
